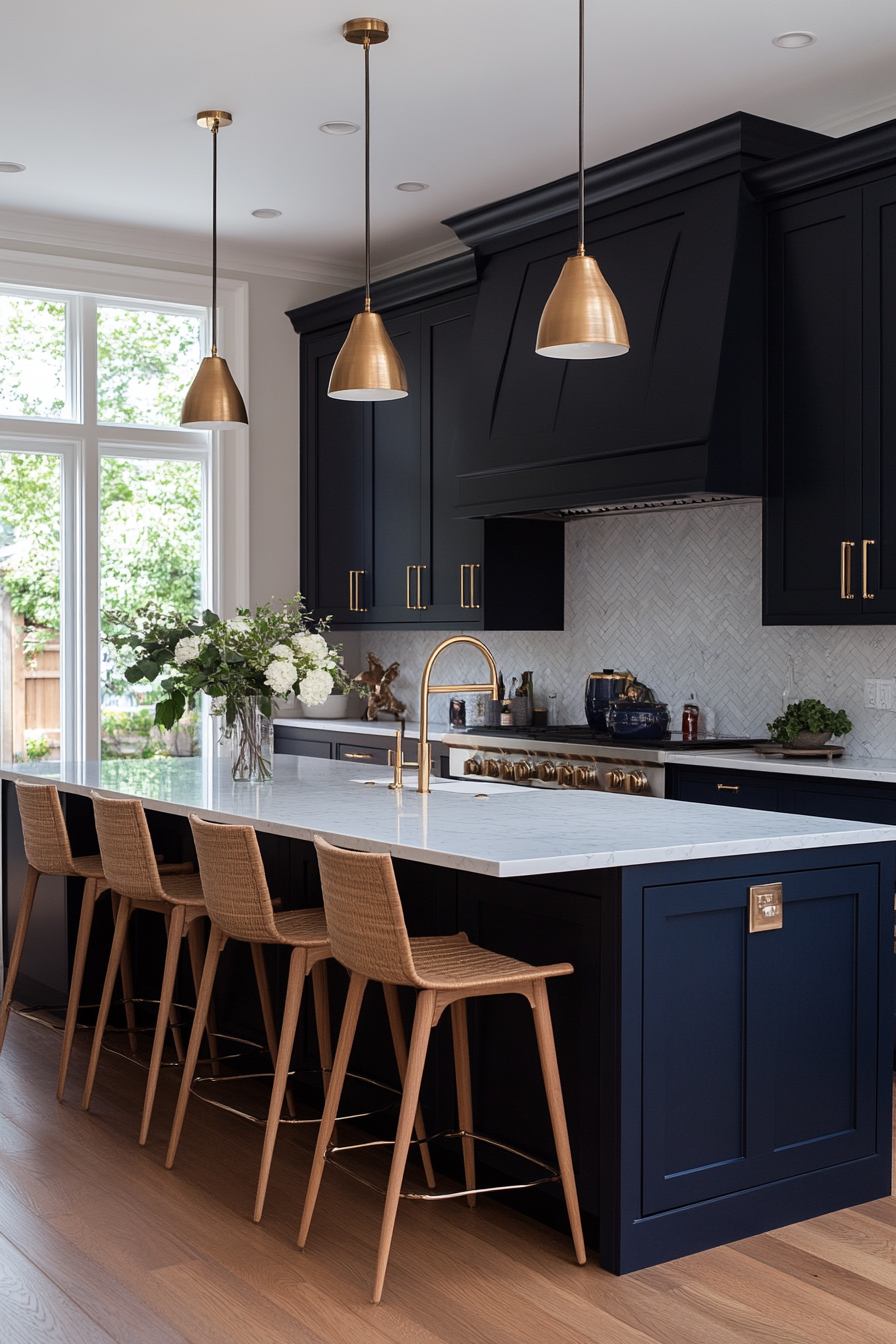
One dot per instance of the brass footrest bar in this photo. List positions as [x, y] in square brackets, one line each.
[292, 1119]
[431, 1138]
[32, 1010]
[173, 1063]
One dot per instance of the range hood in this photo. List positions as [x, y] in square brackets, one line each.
[679, 418]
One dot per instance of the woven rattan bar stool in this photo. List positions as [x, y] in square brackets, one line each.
[239, 905]
[48, 851]
[130, 868]
[368, 935]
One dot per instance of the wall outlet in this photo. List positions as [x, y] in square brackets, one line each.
[881, 694]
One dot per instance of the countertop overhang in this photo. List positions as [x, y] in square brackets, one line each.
[499, 831]
[871, 769]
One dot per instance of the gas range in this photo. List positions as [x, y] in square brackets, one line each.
[572, 756]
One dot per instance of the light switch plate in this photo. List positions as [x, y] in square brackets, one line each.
[766, 907]
[880, 693]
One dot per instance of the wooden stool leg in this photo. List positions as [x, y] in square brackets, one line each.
[267, 1013]
[175, 934]
[464, 1091]
[423, 1021]
[399, 1045]
[127, 983]
[196, 943]
[544, 1032]
[322, 1018]
[298, 969]
[357, 985]
[32, 878]
[173, 1021]
[118, 939]
[88, 902]
[216, 941]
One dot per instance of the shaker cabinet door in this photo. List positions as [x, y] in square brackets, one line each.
[336, 492]
[879, 474]
[813, 521]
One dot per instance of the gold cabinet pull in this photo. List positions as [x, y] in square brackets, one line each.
[418, 605]
[729, 788]
[865, 545]
[846, 548]
[354, 589]
[471, 605]
[357, 756]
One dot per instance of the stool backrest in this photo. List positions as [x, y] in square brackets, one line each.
[365, 920]
[234, 885]
[47, 845]
[129, 861]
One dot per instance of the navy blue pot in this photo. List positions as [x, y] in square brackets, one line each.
[634, 722]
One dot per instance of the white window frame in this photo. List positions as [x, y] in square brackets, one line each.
[82, 443]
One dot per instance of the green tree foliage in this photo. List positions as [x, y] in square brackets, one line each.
[29, 534]
[32, 356]
[145, 363]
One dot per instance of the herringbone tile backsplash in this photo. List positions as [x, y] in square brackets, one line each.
[675, 597]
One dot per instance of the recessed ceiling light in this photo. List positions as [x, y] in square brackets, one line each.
[266, 214]
[794, 39]
[412, 186]
[339, 127]
[9, 167]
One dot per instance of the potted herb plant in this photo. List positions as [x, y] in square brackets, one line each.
[808, 725]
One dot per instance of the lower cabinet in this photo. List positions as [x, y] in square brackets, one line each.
[759, 1048]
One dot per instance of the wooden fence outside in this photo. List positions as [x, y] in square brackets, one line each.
[29, 687]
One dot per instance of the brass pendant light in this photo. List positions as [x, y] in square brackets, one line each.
[214, 401]
[582, 318]
[368, 367]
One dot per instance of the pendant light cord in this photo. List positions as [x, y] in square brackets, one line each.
[214, 238]
[581, 248]
[367, 174]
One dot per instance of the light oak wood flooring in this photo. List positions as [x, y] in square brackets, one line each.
[98, 1243]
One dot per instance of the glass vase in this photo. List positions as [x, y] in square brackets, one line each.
[252, 742]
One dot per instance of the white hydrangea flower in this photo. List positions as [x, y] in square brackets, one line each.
[185, 650]
[313, 646]
[239, 625]
[280, 675]
[314, 689]
[281, 651]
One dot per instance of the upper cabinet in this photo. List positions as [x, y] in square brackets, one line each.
[380, 545]
[830, 512]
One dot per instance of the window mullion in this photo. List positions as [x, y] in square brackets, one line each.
[90, 539]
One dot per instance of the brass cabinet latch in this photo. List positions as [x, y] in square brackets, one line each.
[766, 907]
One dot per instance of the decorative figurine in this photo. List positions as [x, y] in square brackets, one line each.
[381, 700]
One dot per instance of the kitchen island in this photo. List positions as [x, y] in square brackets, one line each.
[718, 1082]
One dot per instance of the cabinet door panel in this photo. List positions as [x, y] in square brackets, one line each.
[759, 1049]
[879, 504]
[397, 541]
[815, 409]
[335, 489]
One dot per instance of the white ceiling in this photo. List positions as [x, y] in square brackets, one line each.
[475, 97]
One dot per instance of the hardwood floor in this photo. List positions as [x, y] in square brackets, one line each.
[99, 1243]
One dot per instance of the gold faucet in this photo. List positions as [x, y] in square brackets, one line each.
[424, 751]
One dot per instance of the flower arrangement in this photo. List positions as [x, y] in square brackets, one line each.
[245, 661]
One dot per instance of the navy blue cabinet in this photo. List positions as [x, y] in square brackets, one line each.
[752, 1071]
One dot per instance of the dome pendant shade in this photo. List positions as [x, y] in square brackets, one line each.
[582, 318]
[214, 400]
[368, 367]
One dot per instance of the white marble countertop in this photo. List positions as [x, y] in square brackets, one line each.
[879, 769]
[509, 832]
[380, 728]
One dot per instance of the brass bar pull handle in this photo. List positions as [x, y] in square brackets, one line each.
[464, 603]
[846, 570]
[473, 603]
[729, 788]
[354, 589]
[358, 756]
[865, 545]
[420, 606]
[408, 588]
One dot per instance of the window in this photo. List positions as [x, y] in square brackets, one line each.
[105, 501]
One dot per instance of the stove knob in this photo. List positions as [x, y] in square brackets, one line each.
[505, 769]
[565, 773]
[472, 766]
[615, 779]
[638, 782]
[547, 770]
[490, 768]
[585, 777]
[522, 770]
